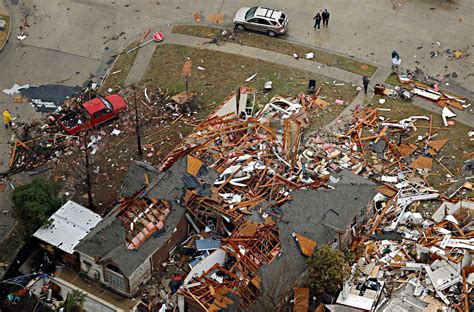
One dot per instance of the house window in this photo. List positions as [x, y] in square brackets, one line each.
[115, 279]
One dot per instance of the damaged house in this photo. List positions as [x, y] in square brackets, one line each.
[236, 196]
[314, 218]
[132, 241]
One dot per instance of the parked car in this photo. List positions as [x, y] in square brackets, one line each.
[270, 21]
[91, 113]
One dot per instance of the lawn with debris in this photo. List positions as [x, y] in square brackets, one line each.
[120, 69]
[214, 75]
[279, 45]
[448, 166]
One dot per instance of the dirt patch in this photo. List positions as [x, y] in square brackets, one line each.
[279, 45]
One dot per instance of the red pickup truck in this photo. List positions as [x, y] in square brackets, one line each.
[91, 113]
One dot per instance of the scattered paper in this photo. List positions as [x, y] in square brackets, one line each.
[15, 89]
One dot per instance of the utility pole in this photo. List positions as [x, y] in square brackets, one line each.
[137, 126]
[88, 172]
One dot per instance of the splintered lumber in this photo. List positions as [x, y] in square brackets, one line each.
[437, 145]
[386, 190]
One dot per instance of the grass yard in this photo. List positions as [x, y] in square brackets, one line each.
[120, 69]
[450, 155]
[4, 33]
[224, 73]
[281, 46]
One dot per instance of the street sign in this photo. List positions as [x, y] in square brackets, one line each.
[158, 36]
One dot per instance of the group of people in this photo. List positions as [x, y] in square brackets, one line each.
[324, 16]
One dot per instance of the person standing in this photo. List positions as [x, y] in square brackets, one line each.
[365, 82]
[317, 21]
[396, 61]
[7, 119]
[325, 17]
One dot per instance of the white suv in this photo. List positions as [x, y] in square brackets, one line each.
[270, 21]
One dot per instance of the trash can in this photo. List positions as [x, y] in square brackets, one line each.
[311, 85]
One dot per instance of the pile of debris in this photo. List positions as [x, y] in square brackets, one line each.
[401, 247]
[40, 142]
[430, 260]
[257, 164]
[431, 93]
[260, 160]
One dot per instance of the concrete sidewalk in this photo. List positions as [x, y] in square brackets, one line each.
[265, 55]
[140, 64]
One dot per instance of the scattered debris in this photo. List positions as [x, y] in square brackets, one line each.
[251, 77]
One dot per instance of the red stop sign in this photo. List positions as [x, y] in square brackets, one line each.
[158, 36]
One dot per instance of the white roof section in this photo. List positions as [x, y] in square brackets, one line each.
[71, 223]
